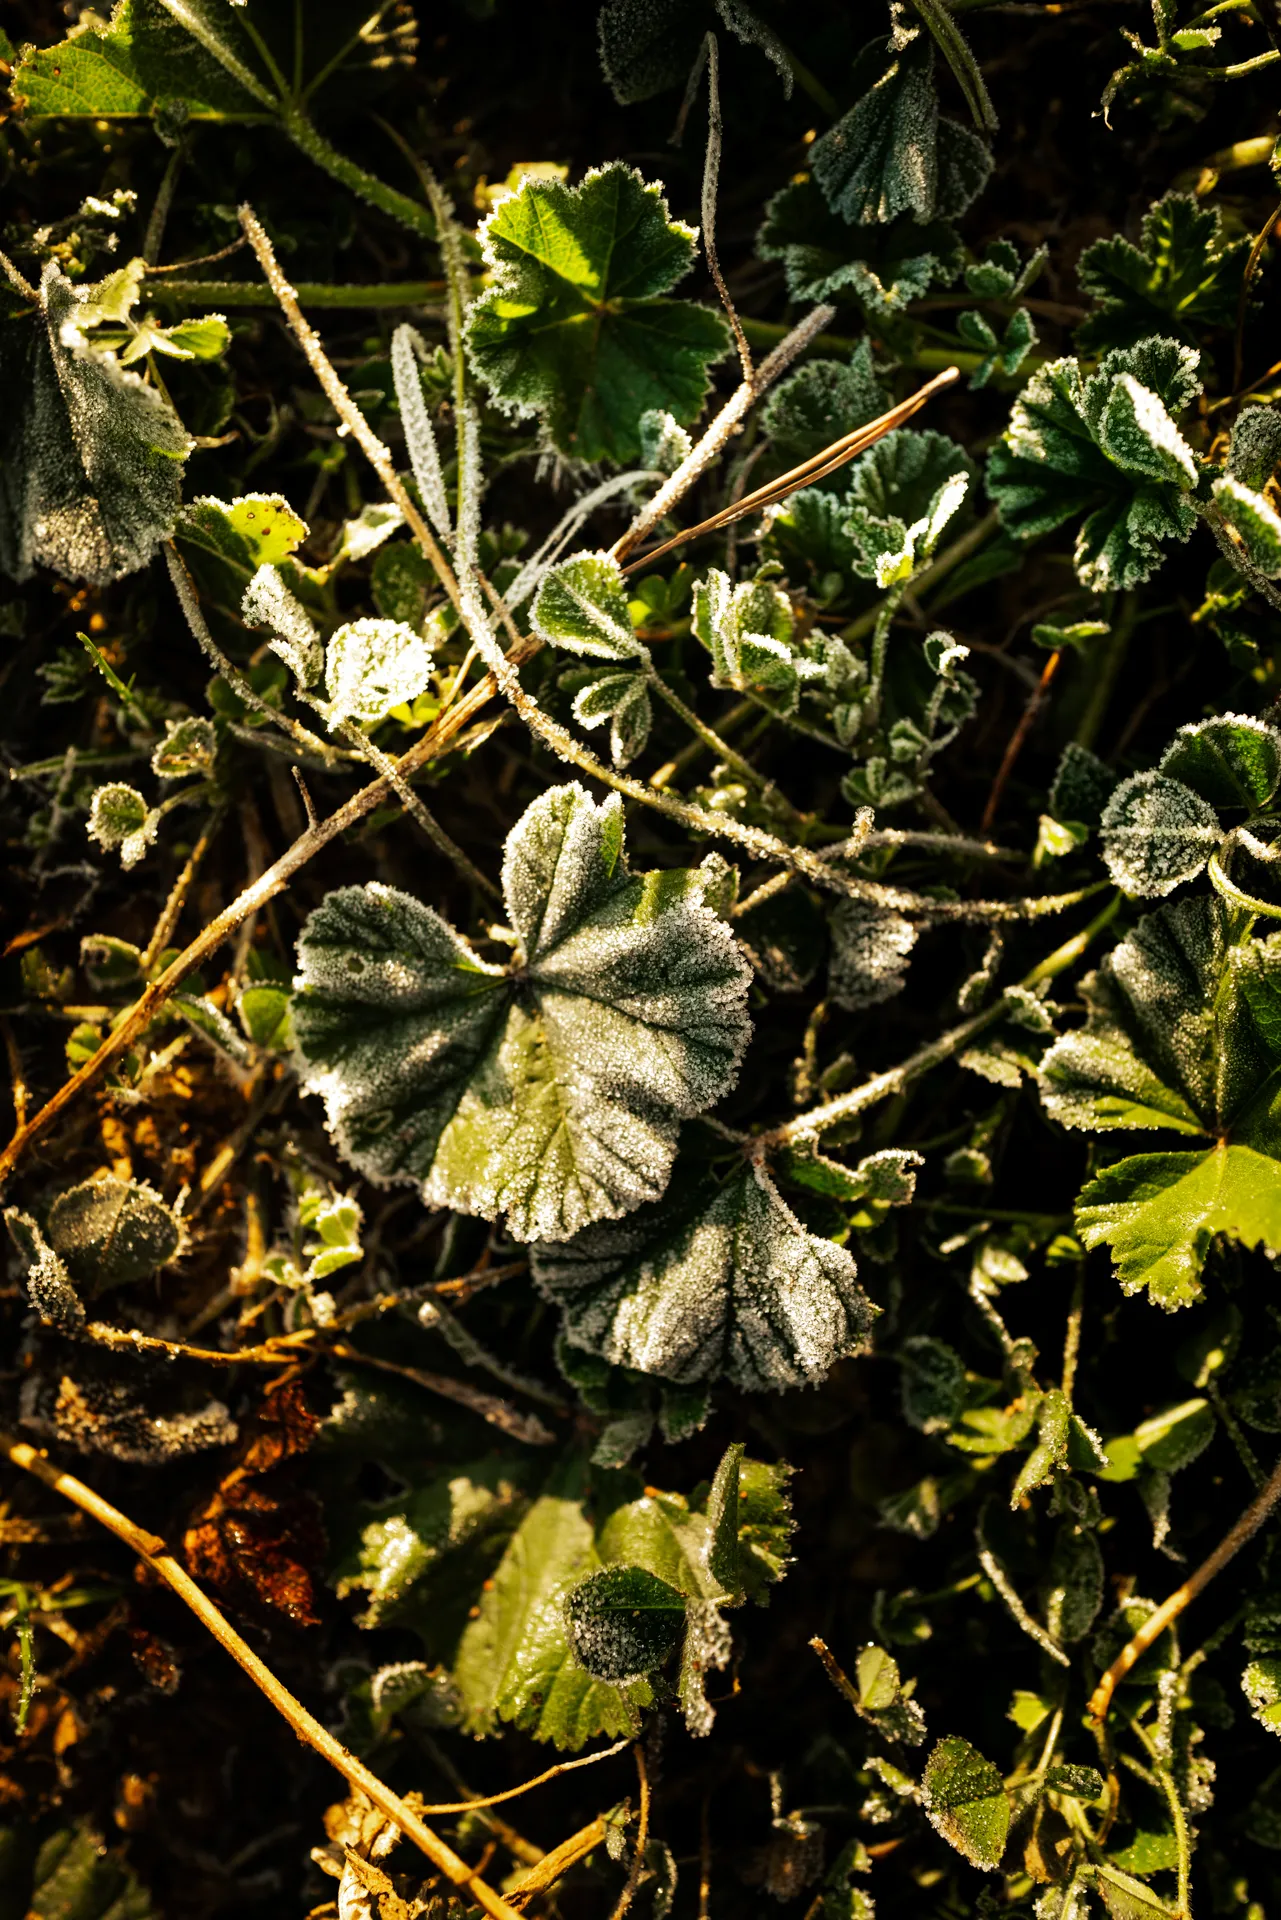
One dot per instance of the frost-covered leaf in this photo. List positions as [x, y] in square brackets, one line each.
[882, 268]
[1261, 1685]
[582, 606]
[551, 1090]
[747, 628]
[622, 699]
[1183, 1035]
[871, 947]
[1233, 761]
[372, 666]
[1183, 278]
[1000, 274]
[1254, 520]
[575, 327]
[1082, 786]
[1104, 445]
[664, 443]
[270, 603]
[901, 495]
[90, 456]
[111, 1231]
[647, 46]
[120, 821]
[933, 1383]
[965, 1801]
[819, 403]
[765, 1526]
[143, 56]
[716, 1278]
[49, 1285]
[1156, 834]
[1072, 1590]
[1255, 448]
[1172, 1440]
[893, 153]
[189, 747]
[515, 1661]
[624, 1622]
[1126, 1898]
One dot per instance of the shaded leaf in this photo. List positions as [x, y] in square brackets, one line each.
[1182, 278]
[624, 1622]
[716, 1278]
[111, 1231]
[575, 328]
[883, 268]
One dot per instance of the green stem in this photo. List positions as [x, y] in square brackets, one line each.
[366, 186]
[1106, 674]
[1182, 1841]
[722, 749]
[312, 293]
[959, 55]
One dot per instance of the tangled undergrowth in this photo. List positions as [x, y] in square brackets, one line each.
[643, 717]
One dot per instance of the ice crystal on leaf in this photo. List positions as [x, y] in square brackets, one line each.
[647, 46]
[372, 666]
[871, 947]
[747, 629]
[1253, 519]
[902, 493]
[1157, 833]
[582, 606]
[717, 1278]
[551, 1090]
[1105, 445]
[90, 456]
[893, 153]
[1183, 1036]
[1231, 761]
[575, 327]
[965, 1800]
[883, 268]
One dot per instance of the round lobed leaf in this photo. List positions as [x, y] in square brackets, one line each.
[372, 666]
[1157, 833]
[624, 1621]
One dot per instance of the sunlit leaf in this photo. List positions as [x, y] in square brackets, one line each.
[965, 1801]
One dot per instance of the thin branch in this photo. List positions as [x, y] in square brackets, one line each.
[150, 1549]
[526, 1427]
[344, 406]
[1155, 1625]
[706, 450]
[415, 808]
[711, 177]
[1009, 1593]
[1017, 738]
[17, 280]
[722, 749]
[17, 1076]
[178, 893]
[817, 467]
[642, 1837]
[514, 1793]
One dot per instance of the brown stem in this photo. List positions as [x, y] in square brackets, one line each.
[435, 741]
[642, 1836]
[151, 1549]
[514, 1793]
[1017, 738]
[1153, 1627]
[173, 905]
[526, 1427]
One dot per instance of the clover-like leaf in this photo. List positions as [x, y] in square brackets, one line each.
[647, 46]
[1003, 353]
[623, 700]
[553, 1089]
[1000, 274]
[882, 268]
[90, 456]
[1232, 761]
[1182, 278]
[582, 607]
[1156, 834]
[747, 629]
[1254, 520]
[965, 1801]
[110, 1231]
[1183, 1035]
[515, 1661]
[372, 666]
[575, 327]
[893, 153]
[1105, 446]
[717, 1278]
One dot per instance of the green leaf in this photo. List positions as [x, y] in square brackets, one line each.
[1106, 446]
[1156, 834]
[1261, 1685]
[1184, 1035]
[1072, 1591]
[714, 1279]
[263, 1012]
[1082, 1783]
[871, 948]
[1082, 786]
[574, 327]
[1233, 761]
[1172, 1440]
[1254, 520]
[90, 457]
[747, 629]
[723, 1521]
[624, 1622]
[1255, 447]
[622, 699]
[966, 1802]
[819, 403]
[902, 493]
[73, 1876]
[882, 268]
[1004, 353]
[647, 46]
[933, 1383]
[892, 153]
[515, 1661]
[141, 58]
[1126, 1898]
[552, 1089]
[49, 1287]
[1183, 278]
[582, 606]
[765, 1526]
[111, 1231]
